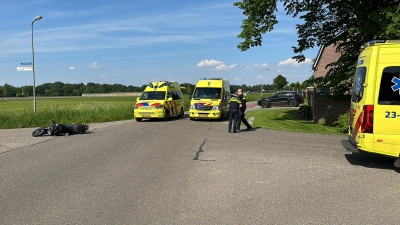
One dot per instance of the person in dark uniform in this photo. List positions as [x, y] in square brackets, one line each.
[242, 99]
[234, 104]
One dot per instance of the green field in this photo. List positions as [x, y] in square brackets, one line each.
[17, 112]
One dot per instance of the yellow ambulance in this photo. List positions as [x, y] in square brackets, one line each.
[210, 99]
[160, 100]
[375, 102]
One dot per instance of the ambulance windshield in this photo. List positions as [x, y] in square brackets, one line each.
[211, 93]
[153, 95]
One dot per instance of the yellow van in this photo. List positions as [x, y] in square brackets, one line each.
[160, 100]
[375, 103]
[210, 99]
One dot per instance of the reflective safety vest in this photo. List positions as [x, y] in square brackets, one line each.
[242, 99]
[234, 103]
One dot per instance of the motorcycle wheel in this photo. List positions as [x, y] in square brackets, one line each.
[39, 132]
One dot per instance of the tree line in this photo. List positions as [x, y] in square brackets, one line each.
[64, 89]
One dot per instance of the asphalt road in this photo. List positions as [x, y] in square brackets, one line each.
[191, 172]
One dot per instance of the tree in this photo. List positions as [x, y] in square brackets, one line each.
[27, 91]
[280, 82]
[143, 87]
[57, 89]
[43, 89]
[346, 24]
[9, 91]
[188, 88]
[68, 90]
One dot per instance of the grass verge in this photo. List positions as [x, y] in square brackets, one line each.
[287, 120]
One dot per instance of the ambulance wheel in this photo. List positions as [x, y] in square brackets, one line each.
[222, 117]
[293, 103]
[182, 113]
[166, 115]
[138, 119]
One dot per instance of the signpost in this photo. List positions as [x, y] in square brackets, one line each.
[25, 68]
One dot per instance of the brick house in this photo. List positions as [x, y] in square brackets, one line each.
[324, 108]
[327, 54]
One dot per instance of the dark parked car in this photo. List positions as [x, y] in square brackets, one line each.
[290, 98]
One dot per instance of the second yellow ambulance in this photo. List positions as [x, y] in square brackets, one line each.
[210, 99]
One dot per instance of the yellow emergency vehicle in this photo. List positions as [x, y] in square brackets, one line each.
[375, 103]
[210, 99]
[160, 100]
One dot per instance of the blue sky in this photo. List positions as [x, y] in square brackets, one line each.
[135, 42]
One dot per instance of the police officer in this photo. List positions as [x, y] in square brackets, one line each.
[234, 104]
[242, 99]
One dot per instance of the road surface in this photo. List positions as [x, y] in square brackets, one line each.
[191, 172]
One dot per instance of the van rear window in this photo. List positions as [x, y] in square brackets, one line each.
[389, 91]
[358, 86]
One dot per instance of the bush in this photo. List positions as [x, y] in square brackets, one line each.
[304, 112]
[343, 122]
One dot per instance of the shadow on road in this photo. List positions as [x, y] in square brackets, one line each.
[371, 161]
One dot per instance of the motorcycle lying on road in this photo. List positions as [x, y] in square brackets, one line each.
[56, 129]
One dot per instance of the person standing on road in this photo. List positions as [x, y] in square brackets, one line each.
[234, 105]
[242, 99]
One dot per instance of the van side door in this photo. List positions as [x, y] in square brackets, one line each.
[387, 111]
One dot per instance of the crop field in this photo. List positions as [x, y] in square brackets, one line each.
[18, 112]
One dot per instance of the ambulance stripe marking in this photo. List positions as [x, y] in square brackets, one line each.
[357, 125]
[143, 104]
[203, 104]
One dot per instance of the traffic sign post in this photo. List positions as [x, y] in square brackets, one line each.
[25, 68]
[26, 63]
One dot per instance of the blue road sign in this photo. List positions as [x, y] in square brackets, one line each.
[27, 63]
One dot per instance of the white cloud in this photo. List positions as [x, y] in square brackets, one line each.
[219, 65]
[94, 65]
[259, 77]
[72, 68]
[224, 67]
[293, 63]
[257, 66]
[207, 62]
[237, 79]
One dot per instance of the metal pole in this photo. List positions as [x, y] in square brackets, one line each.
[261, 84]
[33, 65]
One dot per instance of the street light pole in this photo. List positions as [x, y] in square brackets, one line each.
[33, 65]
[261, 82]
